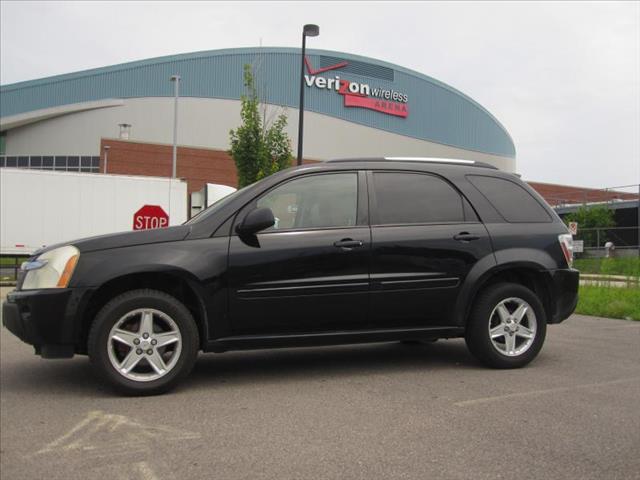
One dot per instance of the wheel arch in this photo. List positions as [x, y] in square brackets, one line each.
[529, 274]
[174, 283]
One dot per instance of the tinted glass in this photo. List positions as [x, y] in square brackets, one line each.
[47, 161]
[318, 201]
[2, 162]
[36, 162]
[415, 198]
[73, 162]
[469, 212]
[512, 201]
[23, 162]
[12, 161]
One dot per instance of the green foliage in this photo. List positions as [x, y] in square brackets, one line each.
[628, 266]
[258, 149]
[596, 216]
[612, 302]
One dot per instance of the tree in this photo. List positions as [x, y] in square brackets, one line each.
[258, 148]
[592, 217]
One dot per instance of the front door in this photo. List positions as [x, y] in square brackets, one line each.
[425, 239]
[310, 271]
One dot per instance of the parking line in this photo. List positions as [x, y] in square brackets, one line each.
[477, 401]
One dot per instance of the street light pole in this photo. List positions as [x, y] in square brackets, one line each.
[176, 92]
[106, 157]
[307, 31]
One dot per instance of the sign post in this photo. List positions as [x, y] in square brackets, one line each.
[150, 216]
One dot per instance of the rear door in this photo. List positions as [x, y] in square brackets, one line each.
[310, 271]
[425, 239]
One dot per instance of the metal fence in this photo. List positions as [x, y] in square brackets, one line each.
[621, 237]
[9, 268]
[625, 237]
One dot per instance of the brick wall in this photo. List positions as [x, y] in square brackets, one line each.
[199, 166]
[196, 165]
[563, 194]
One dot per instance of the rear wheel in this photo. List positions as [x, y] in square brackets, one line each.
[143, 342]
[507, 326]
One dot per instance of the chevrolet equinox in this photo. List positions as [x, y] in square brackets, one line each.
[344, 251]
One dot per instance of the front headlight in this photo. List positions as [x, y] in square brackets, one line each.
[52, 269]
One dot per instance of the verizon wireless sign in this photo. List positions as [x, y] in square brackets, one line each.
[356, 94]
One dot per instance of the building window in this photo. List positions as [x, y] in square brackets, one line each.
[3, 143]
[71, 163]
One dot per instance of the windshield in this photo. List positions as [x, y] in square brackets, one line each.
[215, 206]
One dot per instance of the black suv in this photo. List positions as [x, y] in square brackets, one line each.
[345, 251]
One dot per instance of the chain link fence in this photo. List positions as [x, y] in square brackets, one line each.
[623, 238]
[623, 200]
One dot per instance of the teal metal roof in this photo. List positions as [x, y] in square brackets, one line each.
[437, 112]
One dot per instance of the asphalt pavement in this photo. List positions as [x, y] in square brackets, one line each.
[380, 411]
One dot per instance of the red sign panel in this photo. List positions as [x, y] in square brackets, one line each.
[384, 106]
[150, 216]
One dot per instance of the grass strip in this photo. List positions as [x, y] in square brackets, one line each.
[628, 266]
[611, 302]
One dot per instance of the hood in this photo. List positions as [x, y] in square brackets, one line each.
[125, 239]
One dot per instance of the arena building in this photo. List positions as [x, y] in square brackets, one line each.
[354, 107]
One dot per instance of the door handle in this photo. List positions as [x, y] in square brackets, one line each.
[347, 244]
[465, 237]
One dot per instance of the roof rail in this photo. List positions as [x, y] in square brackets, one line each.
[446, 161]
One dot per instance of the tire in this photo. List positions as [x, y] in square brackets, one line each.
[515, 342]
[132, 361]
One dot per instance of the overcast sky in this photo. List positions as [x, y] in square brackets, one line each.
[563, 78]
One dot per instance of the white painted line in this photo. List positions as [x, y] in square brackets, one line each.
[145, 471]
[478, 401]
[105, 434]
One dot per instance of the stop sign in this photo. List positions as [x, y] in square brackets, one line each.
[150, 216]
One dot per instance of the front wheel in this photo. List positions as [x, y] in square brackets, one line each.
[143, 342]
[507, 326]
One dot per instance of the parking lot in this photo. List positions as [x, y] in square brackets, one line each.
[350, 412]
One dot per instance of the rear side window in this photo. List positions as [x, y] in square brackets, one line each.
[513, 202]
[403, 198]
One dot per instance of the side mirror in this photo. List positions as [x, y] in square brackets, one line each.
[255, 221]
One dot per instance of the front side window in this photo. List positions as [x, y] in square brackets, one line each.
[315, 201]
[414, 198]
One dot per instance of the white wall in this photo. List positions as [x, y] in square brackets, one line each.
[205, 122]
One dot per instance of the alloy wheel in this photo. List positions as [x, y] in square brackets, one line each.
[144, 345]
[512, 327]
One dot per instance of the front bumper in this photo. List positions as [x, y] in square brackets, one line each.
[46, 319]
[565, 287]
